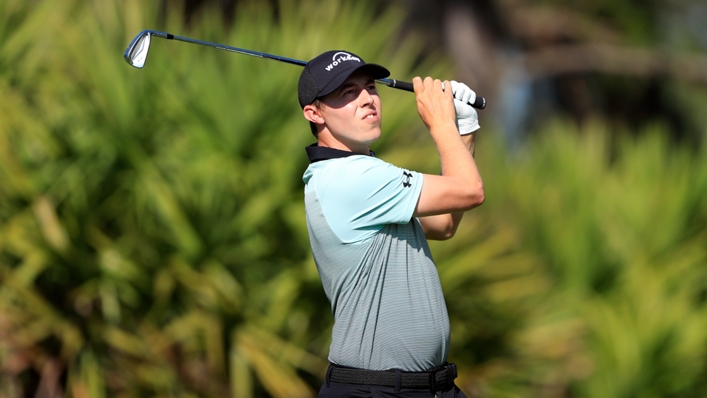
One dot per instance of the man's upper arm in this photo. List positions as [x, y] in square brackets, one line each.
[366, 193]
[446, 194]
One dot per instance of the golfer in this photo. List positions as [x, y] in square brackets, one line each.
[369, 222]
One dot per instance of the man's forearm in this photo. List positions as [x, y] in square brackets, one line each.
[470, 142]
[454, 158]
[444, 226]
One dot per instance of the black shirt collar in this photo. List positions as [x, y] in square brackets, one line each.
[318, 153]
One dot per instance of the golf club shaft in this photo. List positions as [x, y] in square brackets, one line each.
[479, 103]
[169, 36]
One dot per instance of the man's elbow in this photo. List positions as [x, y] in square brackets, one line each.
[475, 196]
[443, 234]
[480, 197]
[449, 234]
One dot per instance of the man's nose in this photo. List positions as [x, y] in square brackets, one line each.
[365, 98]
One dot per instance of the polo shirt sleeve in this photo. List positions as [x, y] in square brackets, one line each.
[361, 194]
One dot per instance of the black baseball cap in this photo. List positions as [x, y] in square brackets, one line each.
[326, 72]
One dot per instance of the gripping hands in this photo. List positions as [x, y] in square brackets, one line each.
[433, 105]
[467, 118]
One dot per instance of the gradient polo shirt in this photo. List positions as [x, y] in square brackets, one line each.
[376, 267]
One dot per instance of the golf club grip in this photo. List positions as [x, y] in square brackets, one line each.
[480, 102]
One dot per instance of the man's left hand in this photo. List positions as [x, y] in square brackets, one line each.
[467, 118]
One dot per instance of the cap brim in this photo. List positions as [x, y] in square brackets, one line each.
[376, 71]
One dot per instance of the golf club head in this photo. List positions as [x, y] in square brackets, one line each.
[136, 53]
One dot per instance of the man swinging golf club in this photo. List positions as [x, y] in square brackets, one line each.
[369, 222]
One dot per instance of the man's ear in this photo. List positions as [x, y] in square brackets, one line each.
[312, 114]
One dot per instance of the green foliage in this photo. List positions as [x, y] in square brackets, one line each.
[152, 236]
[616, 227]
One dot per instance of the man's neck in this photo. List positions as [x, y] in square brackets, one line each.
[329, 142]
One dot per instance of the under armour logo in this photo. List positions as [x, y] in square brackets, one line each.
[408, 177]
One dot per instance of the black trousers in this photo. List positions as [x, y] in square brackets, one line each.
[341, 390]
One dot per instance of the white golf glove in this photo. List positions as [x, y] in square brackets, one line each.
[467, 118]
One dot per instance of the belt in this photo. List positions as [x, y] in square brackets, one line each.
[434, 380]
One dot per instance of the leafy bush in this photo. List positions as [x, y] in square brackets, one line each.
[152, 236]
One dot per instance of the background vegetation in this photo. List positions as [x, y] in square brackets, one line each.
[152, 236]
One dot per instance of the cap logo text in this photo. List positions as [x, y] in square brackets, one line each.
[339, 58]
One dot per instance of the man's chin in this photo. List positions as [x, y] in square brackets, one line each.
[376, 135]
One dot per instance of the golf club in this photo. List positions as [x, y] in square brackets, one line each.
[136, 55]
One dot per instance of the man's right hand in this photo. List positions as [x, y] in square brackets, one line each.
[435, 105]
